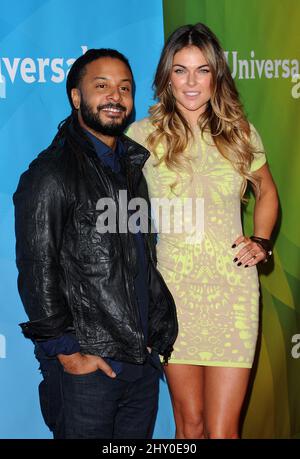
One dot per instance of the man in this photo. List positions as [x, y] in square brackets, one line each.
[100, 312]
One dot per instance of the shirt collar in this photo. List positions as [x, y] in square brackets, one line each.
[107, 155]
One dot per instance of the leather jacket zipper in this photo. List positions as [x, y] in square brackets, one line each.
[129, 283]
[139, 325]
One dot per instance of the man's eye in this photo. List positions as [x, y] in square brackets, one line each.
[125, 88]
[100, 85]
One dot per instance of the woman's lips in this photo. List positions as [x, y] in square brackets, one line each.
[191, 94]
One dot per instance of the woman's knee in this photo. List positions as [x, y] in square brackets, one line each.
[221, 434]
[190, 427]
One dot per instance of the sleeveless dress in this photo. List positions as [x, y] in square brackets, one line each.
[217, 301]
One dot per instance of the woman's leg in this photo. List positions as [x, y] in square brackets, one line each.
[186, 389]
[224, 393]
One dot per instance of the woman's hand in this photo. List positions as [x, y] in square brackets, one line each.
[250, 254]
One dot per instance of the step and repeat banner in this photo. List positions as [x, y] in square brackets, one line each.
[39, 41]
[261, 39]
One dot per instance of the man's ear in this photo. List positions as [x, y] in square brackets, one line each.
[76, 97]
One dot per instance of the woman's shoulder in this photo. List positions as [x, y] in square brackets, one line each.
[140, 130]
[144, 123]
[255, 138]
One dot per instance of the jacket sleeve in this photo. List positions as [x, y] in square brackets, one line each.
[40, 212]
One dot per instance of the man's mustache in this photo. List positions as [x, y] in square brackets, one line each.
[108, 106]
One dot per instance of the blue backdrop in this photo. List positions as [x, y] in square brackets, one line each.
[39, 41]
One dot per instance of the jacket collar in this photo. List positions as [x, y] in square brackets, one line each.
[136, 155]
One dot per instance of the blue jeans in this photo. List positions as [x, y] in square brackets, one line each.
[96, 406]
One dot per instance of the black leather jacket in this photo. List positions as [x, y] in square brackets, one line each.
[70, 275]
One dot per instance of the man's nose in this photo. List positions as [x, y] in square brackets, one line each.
[114, 94]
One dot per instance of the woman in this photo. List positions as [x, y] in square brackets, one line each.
[204, 148]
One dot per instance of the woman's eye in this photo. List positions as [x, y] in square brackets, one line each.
[178, 71]
[206, 70]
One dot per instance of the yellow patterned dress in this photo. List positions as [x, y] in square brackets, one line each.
[217, 301]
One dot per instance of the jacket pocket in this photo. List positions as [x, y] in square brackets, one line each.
[96, 246]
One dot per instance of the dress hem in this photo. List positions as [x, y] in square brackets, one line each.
[211, 364]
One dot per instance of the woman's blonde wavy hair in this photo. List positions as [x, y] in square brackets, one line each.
[223, 118]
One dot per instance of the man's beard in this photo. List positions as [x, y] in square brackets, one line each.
[93, 121]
